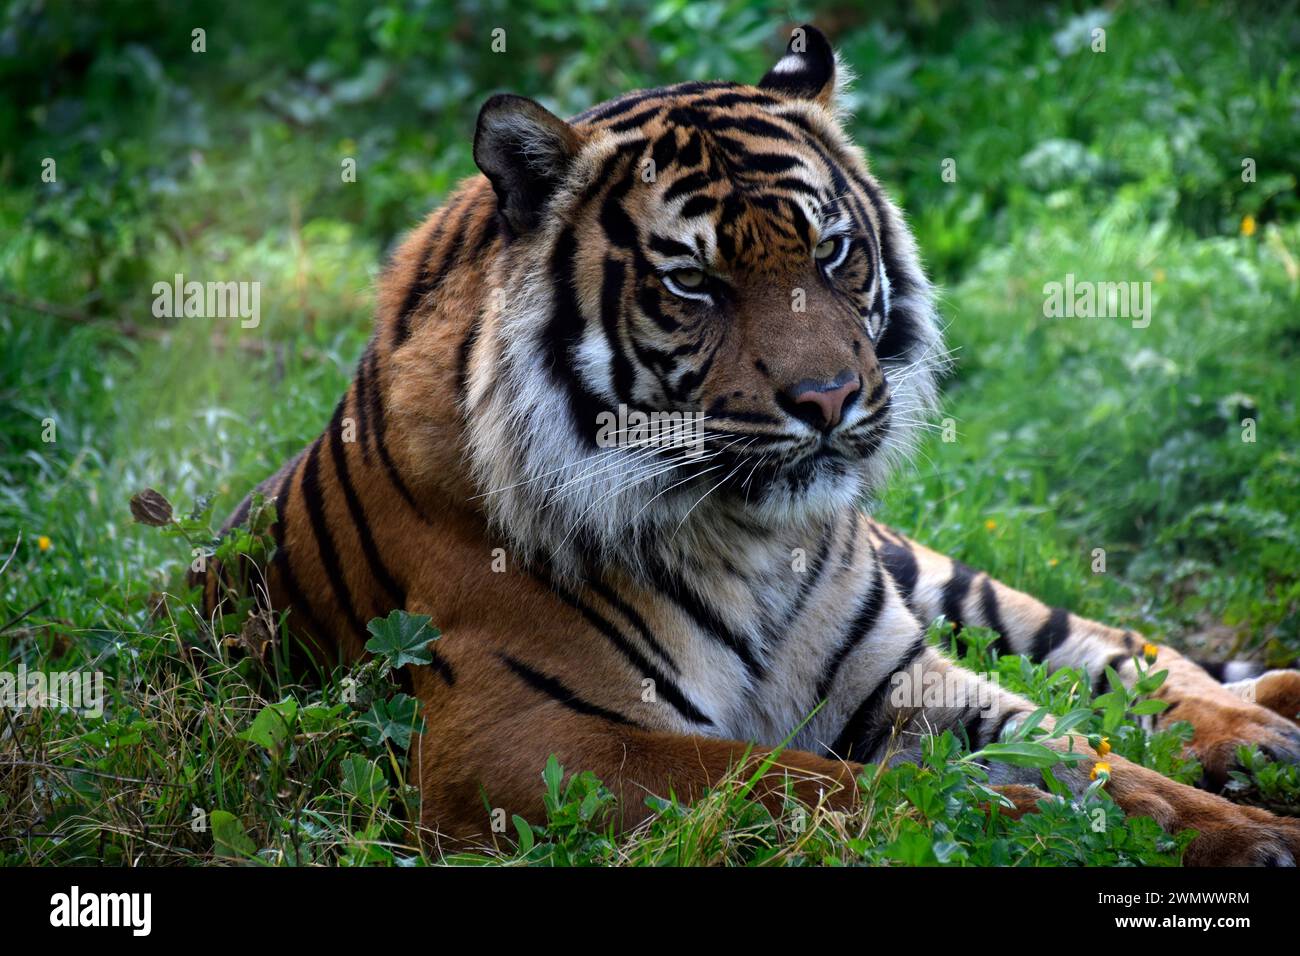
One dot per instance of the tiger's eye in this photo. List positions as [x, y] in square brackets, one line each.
[688, 278]
[825, 249]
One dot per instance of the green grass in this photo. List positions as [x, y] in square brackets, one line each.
[1071, 434]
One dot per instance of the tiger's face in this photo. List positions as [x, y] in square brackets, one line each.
[753, 299]
[706, 307]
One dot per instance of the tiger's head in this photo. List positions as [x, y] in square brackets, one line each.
[706, 310]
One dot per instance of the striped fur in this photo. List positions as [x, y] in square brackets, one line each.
[634, 610]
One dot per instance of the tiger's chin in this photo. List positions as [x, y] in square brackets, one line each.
[810, 490]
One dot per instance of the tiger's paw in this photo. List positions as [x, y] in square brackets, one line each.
[1227, 834]
[1223, 722]
[1262, 840]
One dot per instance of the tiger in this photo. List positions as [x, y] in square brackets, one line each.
[665, 610]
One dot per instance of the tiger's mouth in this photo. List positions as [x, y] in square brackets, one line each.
[799, 466]
[855, 442]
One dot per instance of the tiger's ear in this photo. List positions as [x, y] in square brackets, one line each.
[524, 150]
[807, 70]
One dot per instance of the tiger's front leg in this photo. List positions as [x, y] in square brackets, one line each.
[893, 727]
[1260, 712]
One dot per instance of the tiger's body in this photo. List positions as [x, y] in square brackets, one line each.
[647, 614]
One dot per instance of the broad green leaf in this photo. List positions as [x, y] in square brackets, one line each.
[1112, 678]
[321, 718]
[1067, 722]
[913, 847]
[1114, 712]
[552, 775]
[394, 720]
[525, 833]
[1024, 728]
[1144, 707]
[364, 781]
[1021, 753]
[228, 836]
[402, 638]
[272, 725]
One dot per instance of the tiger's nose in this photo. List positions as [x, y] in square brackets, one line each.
[823, 404]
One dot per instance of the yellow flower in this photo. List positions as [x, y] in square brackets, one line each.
[1159, 275]
[990, 525]
[1248, 225]
[1052, 562]
[1103, 747]
[1149, 652]
[43, 543]
[1101, 769]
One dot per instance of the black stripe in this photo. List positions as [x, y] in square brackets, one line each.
[297, 600]
[416, 291]
[705, 618]
[1054, 630]
[874, 397]
[621, 104]
[614, 219]
[1216, 669]
[748, 124]
[902, 567]
[442, 667]
[313, 497]
[766, 162]
[636, 620]
[698, 206]
[639, 661]
[797, 185]
[617, 107]
[992, 616]
[430, 279]
[621, 373]
[380, 572]
[687, 184]
[955, 590]
[813, 575]
[728, 100]
[561, 694]
[971, 728]
[664, 151]
[863, 735]
[861, 624]
[463, 354]
[377, 413]
[563, 332]
[636, 119]
[1099, 679]
[670, 247]
[850, 554]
